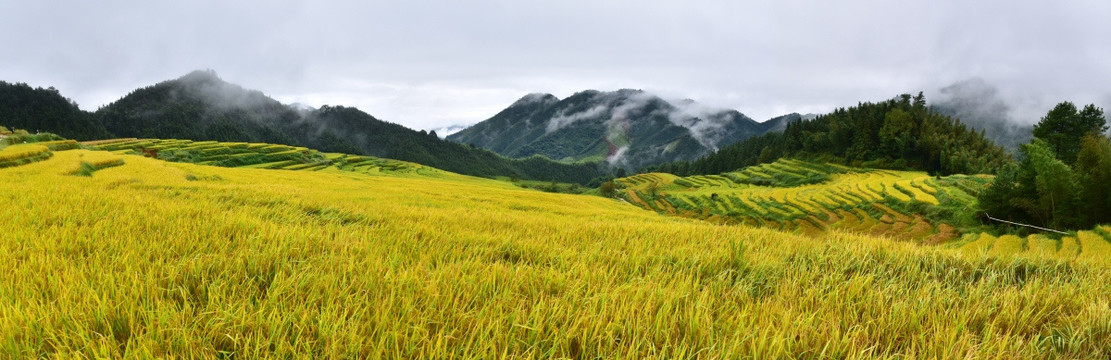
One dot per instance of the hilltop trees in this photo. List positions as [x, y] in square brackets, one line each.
[1063, 127]
[39, 109]
[1062, 179]
[896, 134]
[1093, 167]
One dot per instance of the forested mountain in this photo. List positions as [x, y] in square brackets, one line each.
[626, 128]
[201, 106]
[902, 133]
[38, 109]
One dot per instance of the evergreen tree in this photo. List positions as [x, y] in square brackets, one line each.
[897, 133]
[1057, 188]
[1001, 198]
[1063, 127]
[1093, 169]
[38, 109]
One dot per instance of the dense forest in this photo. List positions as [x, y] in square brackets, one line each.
[901, 133]
[201, 106]
[1062, 179]
[39, 109]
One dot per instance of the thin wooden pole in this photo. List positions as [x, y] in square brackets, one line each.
[1027, 225]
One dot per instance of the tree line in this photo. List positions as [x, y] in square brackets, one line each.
[1063, 179]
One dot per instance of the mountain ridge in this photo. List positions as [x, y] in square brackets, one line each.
[627, 128]
[202, 106]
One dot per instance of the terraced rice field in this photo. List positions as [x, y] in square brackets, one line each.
[808, 197]
[256, 156]
[15, 149]
[16, 155]
[1086, 246]
[154, 259]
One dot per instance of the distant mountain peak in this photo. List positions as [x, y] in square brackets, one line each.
[201, 76]
[534, 98]
[207, 87]
[779, 123]
[629, 128]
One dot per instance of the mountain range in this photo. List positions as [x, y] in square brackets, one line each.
[580, 139]
[201, 106]
[625, 128]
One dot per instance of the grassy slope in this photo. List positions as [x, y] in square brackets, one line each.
[139, 260]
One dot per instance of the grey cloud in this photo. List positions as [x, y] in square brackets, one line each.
[976, 100]
[450, 62]
[564, 119]
[705, 123]
[978, 104]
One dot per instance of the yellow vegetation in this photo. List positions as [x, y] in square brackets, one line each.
[1007, 245]
[16, 155]
[16, 152]
[1087, 247]
[157, 259]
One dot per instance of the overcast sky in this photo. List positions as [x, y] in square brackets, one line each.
[429, 64]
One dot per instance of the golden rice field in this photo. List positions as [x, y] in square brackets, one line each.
[809, 198]
[1092, 246]
[16, 155]
[162, 259]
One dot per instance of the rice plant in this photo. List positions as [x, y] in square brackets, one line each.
[158, 259]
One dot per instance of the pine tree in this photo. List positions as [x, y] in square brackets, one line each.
[1063, 127]
[1093, 169]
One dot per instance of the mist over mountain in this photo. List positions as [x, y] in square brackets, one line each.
[978, 104]
[626, 128]
[444, 132]
[200, 106]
